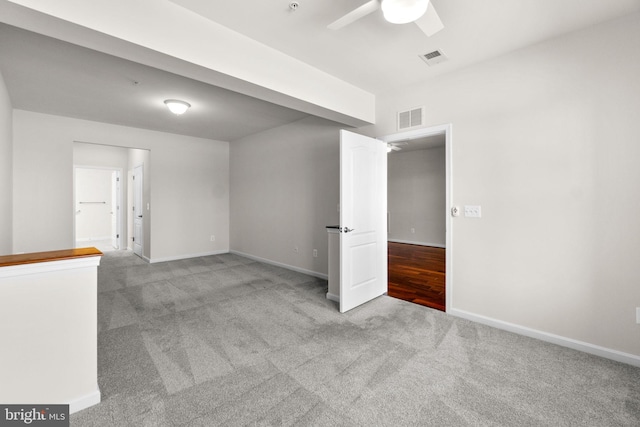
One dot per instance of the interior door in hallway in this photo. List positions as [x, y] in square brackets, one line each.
[138, 210]
[115, 209]
[363, 219]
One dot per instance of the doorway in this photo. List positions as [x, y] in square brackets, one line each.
[91, 155]
[98, 213]
[418, 223]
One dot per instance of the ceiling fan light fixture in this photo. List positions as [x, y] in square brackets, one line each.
[403, 11]
[176, 106]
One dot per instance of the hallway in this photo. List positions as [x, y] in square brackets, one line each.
[417, 274]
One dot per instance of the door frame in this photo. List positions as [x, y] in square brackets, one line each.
[430, 131]
[118, 208]
[119, 201]
[134, 192]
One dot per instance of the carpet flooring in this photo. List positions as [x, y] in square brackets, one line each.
[227, 341]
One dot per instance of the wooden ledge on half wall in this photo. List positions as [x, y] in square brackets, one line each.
[39, 257]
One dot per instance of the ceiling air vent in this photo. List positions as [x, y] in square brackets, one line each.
[411, 118]
[433, 58]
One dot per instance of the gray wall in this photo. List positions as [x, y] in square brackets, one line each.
[284, 191]
[546, 140]
[417, 196]
[6, 168]
[189, 179]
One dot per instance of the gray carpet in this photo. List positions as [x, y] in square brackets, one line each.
[226, 341]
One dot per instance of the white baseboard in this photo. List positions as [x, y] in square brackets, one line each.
[585, 347]
[279, 264]
[179, 257]
[86, 401]
[333, 297]
[409, 242]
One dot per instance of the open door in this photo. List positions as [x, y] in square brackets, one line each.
[115, 209]
[363, 219]
[137, 210]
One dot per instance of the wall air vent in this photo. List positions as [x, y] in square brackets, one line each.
[411, 118]
[433, 58]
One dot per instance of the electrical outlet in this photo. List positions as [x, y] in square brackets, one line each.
[213, 238]
[413, 231]
[315, 253]
[472, 211]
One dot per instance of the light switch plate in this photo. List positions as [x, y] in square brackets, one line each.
[638, 315]
[472, 211]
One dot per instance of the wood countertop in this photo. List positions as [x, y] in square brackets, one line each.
[38, 257]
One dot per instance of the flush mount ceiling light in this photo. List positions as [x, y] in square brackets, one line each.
[176, 106]
[403, 11]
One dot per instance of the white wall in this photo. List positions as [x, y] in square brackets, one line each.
[48, 314]
[417, 196]
[285, 191]
[6, 132]
[546, 141]
[189, 183]
[100, 156]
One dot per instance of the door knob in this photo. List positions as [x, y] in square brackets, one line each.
[347, 230]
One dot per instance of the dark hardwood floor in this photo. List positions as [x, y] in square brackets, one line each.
[417, 274]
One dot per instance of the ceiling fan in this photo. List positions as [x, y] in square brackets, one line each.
[395, 146]
[420, 12]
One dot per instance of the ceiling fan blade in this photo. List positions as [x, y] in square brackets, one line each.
[362, 11]
[430, 22]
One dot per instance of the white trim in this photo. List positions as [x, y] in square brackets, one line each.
[447, 129]
[417, 133]
[409, 242]
[333, 297]
[279, 264]
[85, 401]
[179, 257]
[49, 266]
[585, 347]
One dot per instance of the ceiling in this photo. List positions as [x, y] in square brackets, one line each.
[55, 77]
[378, 56]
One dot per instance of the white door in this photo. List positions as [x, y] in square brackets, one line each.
[363, 219]
[138, 210]
[115, 209]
